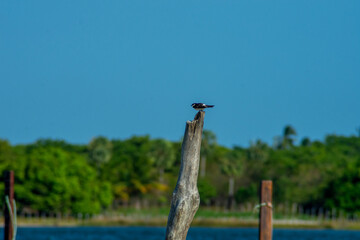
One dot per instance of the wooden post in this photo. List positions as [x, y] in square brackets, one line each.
[186, 199]
[265, 225]
[9, 191]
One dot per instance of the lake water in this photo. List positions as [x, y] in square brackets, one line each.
[152, 233]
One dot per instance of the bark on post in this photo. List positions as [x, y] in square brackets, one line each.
[265, 226]
[186, 199]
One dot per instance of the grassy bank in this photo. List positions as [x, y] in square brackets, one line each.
[204, 217]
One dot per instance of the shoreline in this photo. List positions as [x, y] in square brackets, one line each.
[160, 221]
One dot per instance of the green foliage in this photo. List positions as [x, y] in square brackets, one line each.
[46, 143]
[163, 156]
[131, 169]
[247, 194]
[305, 142]
[100, 150]
[55, 176]
[208, 143]
[52, 179]
[207, 191]
[344, 192]
[231, 160]
[287, 139]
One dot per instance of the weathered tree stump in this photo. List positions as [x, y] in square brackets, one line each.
[9, 191]
[186, 199]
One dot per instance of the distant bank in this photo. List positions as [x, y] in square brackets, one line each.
[160, 221]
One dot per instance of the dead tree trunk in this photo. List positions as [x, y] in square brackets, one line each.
[186, 199]
[9, 191]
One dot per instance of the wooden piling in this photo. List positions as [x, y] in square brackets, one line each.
[265, 222]
[9, 191]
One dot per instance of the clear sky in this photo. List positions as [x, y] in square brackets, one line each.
[73, 70]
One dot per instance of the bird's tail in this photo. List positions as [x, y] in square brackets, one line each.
[210, 106]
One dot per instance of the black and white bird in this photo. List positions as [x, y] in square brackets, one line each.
[201, 106]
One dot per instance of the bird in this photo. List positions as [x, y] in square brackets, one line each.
[201, 106]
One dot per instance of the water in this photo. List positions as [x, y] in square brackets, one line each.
[195, 233]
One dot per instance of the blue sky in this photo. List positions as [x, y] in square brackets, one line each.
[73, 70]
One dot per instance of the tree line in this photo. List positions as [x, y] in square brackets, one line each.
[56, 176]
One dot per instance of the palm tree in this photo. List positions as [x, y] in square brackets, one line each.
[163, 154]
[287, 139]
[232, 163]
[288, 136]
[208, 143]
